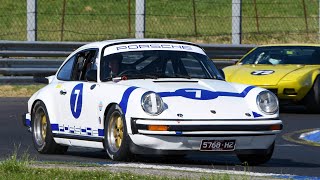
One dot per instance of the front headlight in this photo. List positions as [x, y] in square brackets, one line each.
[152, 103]
[267, 102]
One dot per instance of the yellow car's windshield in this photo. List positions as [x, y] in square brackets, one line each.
[283, 55]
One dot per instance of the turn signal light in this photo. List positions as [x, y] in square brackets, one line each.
[158, 128]
[276, 127]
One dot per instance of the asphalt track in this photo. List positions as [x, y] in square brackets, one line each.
[291, 155]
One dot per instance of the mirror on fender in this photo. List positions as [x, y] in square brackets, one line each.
[91, 75]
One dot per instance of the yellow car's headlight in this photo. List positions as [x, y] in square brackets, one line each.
[268, 102]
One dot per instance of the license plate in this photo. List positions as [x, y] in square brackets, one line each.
[217, 145]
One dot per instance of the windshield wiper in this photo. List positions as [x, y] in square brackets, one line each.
[142, 76]
[130, 76]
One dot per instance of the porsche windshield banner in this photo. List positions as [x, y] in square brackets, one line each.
[151, 46]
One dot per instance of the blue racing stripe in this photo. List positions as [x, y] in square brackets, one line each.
[246, 91]
[100, 132]
[78, 131]
[28, 122]
[256, 114]
[125, 98]
[202, 94]
[55, 127]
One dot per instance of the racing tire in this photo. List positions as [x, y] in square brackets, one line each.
[117, 139]
[41, 132]
[256, 159]
[312, 102]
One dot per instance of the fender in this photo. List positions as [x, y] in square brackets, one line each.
[42, 95]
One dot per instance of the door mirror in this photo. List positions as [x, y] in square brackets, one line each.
[91, 75]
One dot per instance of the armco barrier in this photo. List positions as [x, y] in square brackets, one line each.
[21, 60]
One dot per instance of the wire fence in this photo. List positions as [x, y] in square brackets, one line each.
[202, 21]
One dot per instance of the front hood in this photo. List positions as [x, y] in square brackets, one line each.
[199, 99]
[260, 75]
[173, 84]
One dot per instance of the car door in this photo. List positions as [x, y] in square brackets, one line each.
[78, 119]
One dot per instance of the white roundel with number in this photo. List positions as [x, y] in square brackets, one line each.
[76, 100]
[262, 72]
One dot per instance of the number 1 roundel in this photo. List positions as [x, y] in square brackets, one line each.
[76, 100]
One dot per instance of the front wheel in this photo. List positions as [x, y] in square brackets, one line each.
[312, 99]
[256, 159]
[116, 136]
[41, 131]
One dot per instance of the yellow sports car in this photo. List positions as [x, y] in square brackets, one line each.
[290, 71]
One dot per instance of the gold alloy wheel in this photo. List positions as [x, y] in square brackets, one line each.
[40, 127]
[43, 126]
[115, 131]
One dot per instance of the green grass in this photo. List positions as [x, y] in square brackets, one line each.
[24, 168]
[13, 168]
[275, 21]
[19, 90]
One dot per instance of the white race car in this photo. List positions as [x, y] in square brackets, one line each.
[151, 96]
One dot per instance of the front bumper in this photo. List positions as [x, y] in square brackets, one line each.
[186, 135]
[157, 144]
[26, 121]
[289, 91]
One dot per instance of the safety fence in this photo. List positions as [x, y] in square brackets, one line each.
[202, 21]
[20, 61]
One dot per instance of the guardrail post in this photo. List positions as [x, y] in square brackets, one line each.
[236, 21]
[31, 20]
[140, 18]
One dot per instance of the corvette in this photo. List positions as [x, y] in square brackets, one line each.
[290, 71]
[151, 96]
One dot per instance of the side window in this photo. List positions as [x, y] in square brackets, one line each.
[78, 65]
[84, 61]
[66, 71]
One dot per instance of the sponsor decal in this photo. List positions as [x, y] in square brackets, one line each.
[58, 86]
[77, 130]
[262, 72]
[100, 106]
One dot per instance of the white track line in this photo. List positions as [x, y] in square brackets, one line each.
[198, 170]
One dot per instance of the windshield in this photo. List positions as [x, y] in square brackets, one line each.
[283, 55]
[157, 64]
